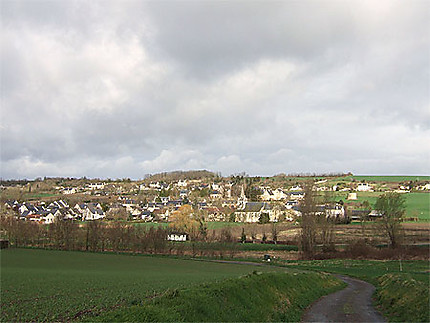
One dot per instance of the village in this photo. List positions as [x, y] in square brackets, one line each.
[234, 199]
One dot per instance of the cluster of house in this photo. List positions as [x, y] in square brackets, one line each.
[47, 213]
[87, 189]
[252, 212]
[157, 210]
[184, 187]
[224, 190]
[275, 205]
[218, 205]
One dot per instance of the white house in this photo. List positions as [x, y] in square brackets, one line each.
[183, 194]
[93, 213]
[90, 211]
[295, 188]
[96, 186]
[297, 195]
[252, 212]
[69, 190]
[364, 187]
[336, 211]
[425, 187]
[352, 196]
[143, 187]
[215, 195]
[273, 195]
[175, 236]
[182, 183]
[49, 218]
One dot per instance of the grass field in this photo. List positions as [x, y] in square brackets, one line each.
[39, 195]
[417, 204]
[211, 225]
[42, 285]
[367, 269]
[390, 179]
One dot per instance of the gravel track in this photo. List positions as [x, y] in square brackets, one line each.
[352, 304]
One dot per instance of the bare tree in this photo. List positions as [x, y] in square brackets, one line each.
[326, 222]
[93, 235]
[392, 209]
[63, 233]
[308, 223]
[274, 233]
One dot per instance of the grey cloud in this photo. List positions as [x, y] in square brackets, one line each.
[209, 39]
[119, 89]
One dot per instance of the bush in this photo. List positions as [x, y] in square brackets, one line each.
[359, 249]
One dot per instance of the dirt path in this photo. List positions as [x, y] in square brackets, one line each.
[352, 304]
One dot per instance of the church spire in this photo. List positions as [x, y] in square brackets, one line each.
[242, 200]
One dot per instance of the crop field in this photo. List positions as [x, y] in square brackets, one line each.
[46, 285]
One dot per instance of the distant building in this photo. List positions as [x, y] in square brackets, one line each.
[176, 236]
[252, 212]
[364, 187]
[352, 196]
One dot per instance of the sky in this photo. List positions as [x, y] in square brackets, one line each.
[121, 89]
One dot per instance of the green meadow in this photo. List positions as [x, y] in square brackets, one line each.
[210, 225]
[390, 179]
[417, 203]
[47, 285]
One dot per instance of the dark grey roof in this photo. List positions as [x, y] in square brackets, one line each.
[95, 210]
[255, 207]
[297, 193]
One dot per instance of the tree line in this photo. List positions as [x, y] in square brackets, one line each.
[98, 236]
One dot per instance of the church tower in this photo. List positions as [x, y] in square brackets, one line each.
[242, 200]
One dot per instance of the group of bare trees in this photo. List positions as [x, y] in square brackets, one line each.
[319, 229]
[98, 236]
[91, 236]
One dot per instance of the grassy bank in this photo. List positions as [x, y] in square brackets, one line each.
[401, 287]
[255, 297]
[403, 298]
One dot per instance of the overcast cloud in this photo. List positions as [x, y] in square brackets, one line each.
[126, 88]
